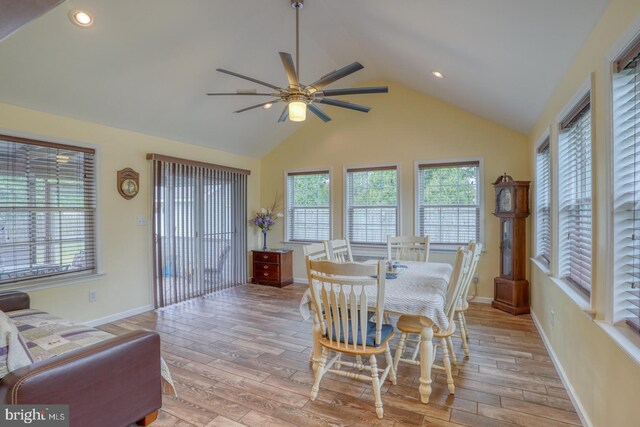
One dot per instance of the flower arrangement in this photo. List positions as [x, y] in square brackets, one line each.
[266, 218]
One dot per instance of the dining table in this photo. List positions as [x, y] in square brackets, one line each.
[416, 289]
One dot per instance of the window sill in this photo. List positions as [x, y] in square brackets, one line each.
[624, 337]
[583, 302]
[300, 242]
[37, 285]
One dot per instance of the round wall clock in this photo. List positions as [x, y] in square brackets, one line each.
[128, 183]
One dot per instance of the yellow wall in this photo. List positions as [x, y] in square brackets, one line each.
[126, 284]
[402, 127]
[605, 379]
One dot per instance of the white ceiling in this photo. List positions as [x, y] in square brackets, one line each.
[145, 65]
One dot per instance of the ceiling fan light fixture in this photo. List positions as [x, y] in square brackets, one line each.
[297, 111]
[267, 106]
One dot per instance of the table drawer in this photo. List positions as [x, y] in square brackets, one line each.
[266, 257]
[262, 271]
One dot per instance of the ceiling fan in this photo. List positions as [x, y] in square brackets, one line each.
[297, 96]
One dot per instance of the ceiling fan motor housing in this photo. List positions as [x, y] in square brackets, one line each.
[297, 4]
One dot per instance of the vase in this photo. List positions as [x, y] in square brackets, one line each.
[264, 240]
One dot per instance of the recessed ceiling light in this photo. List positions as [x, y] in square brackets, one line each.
[267, 106]
[438, 74]
[81, 18]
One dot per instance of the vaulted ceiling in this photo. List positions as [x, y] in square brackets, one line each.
[145, 65]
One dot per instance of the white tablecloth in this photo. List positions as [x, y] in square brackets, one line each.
[421, 290]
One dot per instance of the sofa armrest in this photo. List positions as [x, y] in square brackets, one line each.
[13, 300]
[112, 383]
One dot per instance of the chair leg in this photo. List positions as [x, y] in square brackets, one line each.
[463, 335]
[399, 350]
[337, 364]
[359, 362]
[464, 320]
[376, 385]
[311, 356]
[319, 374]
[452, 352]
[392, 370]
[447, 365]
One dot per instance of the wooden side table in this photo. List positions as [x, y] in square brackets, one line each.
[273, 267]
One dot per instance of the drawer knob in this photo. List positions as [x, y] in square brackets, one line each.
[265, 267]
[265, 256]
[266, 274]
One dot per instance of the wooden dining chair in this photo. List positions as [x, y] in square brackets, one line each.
[408, 248]
[463, 303]
[316, 251]
[338, 293]
[411, 324]
[339, 250]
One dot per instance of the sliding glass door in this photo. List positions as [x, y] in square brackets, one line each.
[199, 227]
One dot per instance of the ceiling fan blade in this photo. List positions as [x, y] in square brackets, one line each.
[251, 79]
[257, 105]
[285, 114]
[336, 75]
[244, 93]
[344, 104]
[289, 68]
[318, 112]
[355, 91]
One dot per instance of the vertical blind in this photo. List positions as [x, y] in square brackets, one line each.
[449, 202]
[574, 196]
[627, 193]
[372, 204]
[199, 228]
[543, 203]
[47, 210]
[308, 206]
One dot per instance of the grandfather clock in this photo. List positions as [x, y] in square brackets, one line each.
[511, 288]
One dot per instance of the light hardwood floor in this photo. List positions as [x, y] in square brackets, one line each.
[240, 357]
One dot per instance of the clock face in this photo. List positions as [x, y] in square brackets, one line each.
[129, 187]
[505, 203]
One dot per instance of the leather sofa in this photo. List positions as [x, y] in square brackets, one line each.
[113, 383]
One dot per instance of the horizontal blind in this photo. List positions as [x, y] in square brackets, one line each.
[574, 166]
[543, 203]
[47, 210]
[308, 206]
[627, 194]
[372, 204]
[449, 202]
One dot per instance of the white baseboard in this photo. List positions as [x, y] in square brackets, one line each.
[302, 281]
[563, 376]
[481, 300]
[118, 316]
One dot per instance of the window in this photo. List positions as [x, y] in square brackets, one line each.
[543, 203]
[449, 202]
[308, 206]
[372, 204]
[626, 182]
[574, 196]
[47, 210]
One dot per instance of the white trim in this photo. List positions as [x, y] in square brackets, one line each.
[546, 136]
[52, 282]
[284, 197]
[345, 209]
[577, 404]
[586, 88]
[416, 203]
[481, 300]
[301, 281]
[628, 37]
[117, 316]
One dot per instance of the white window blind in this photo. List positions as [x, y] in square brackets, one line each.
[372, 204]
[449, 202]
[308, 206]
[574, 196]
[543, 203]
[626, 190]
[47, 210]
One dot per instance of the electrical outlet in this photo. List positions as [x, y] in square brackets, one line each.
[141, 220]
[476, 279]
[93, 295]
[553, 318]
